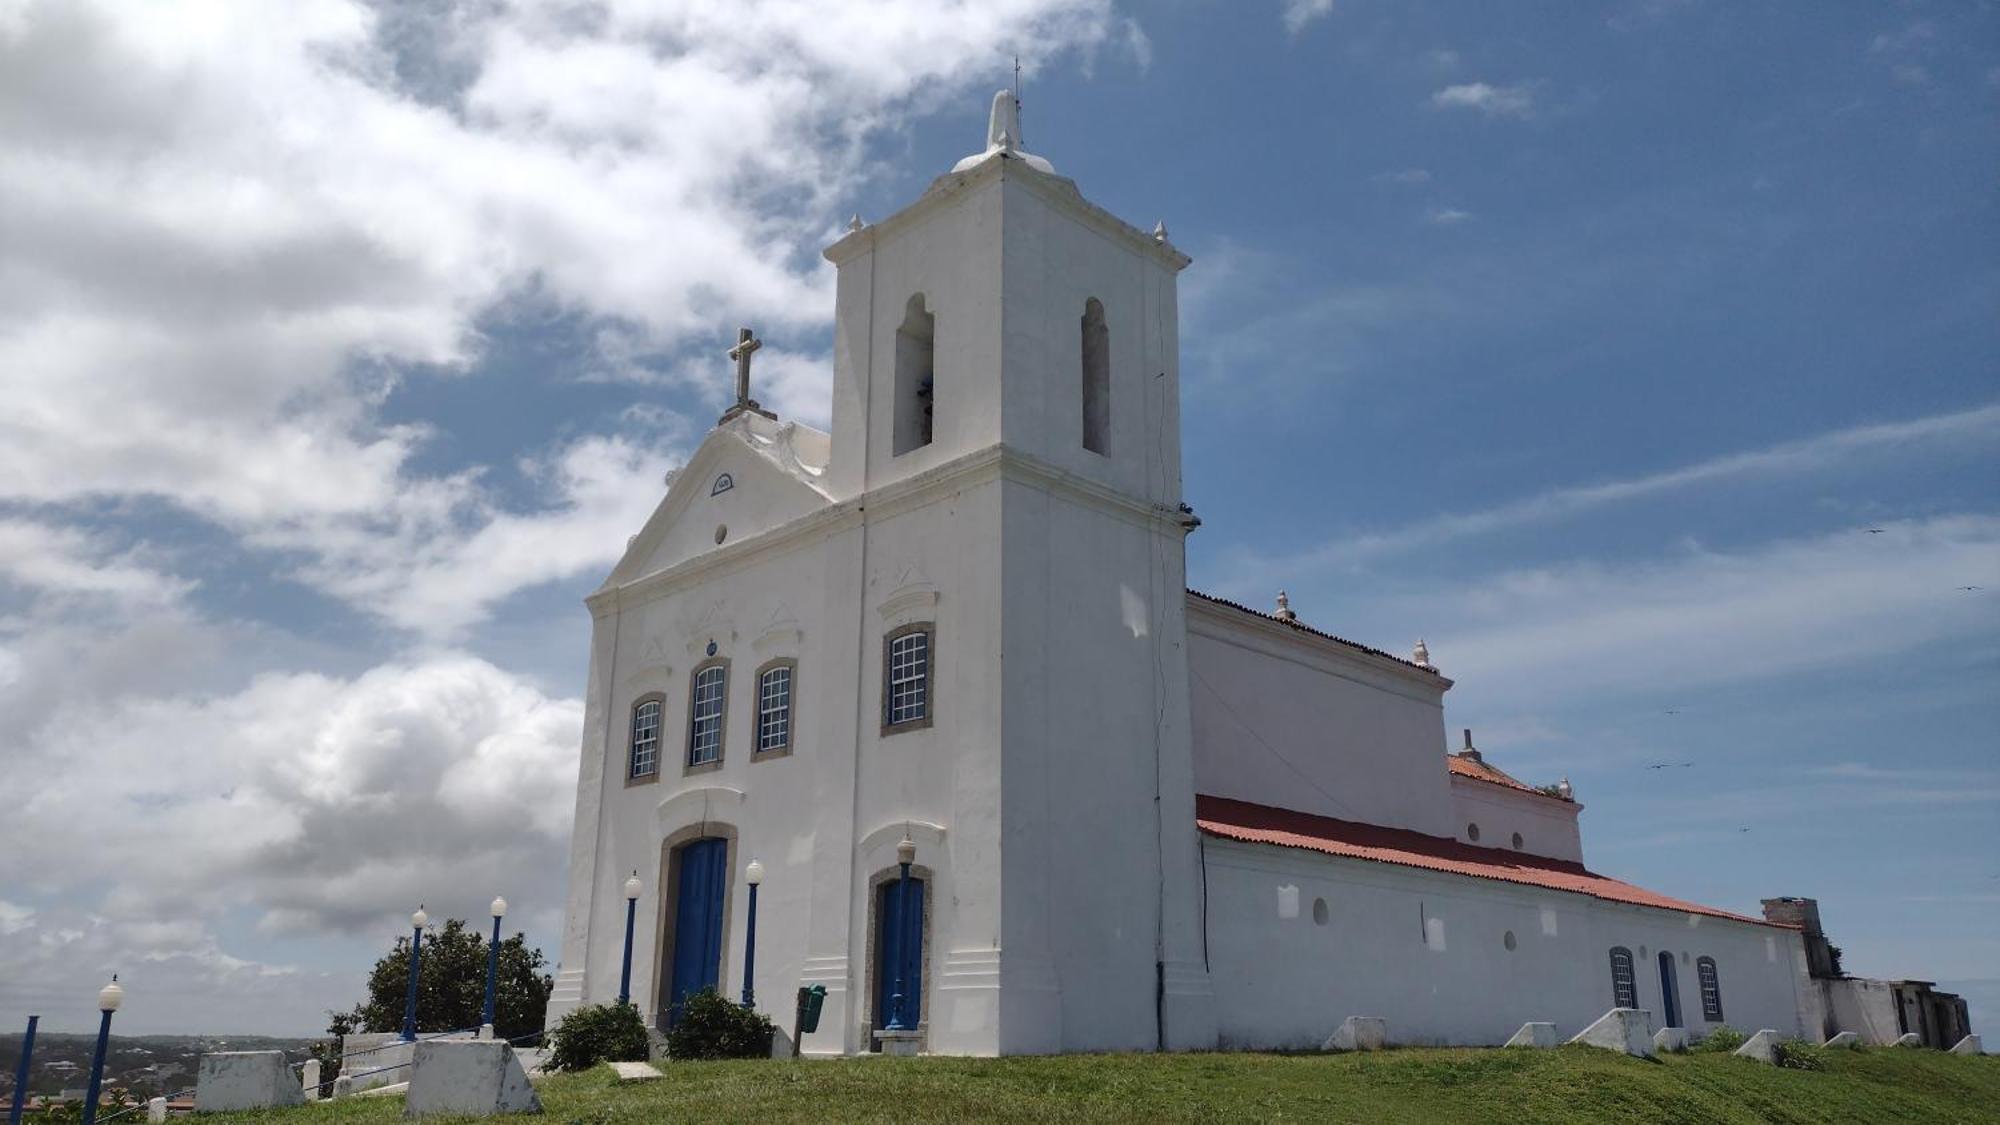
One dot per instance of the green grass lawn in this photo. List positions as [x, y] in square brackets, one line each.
[1415, 1085]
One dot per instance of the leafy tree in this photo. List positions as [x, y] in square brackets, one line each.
[451, 986]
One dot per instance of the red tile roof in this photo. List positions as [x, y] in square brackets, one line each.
[1263, 824]
[1307, 629]
[1480, 771]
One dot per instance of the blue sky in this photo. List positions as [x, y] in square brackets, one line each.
[1587, 342]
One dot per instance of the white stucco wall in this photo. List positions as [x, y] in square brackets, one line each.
[1426, 949]
[1547, 827]
[1300, 722]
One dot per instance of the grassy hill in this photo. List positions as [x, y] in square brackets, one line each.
[1412, 1085]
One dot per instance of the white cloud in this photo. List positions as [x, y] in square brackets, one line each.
[1406, 176]
[1446, 216]
[318, 801]
[1298, 14]
[1977, 426]
[229, 231]
[1709, 616]
[1494, 101]
[64, 563]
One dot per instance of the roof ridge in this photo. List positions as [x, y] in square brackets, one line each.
[1303, 628]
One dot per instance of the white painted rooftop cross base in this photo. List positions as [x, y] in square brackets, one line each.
[1538, 1035]
[230, 1080]
[468, 1077]
[634, 1071]
[1970, 1045]
[1670, 1039]
[1621, 1029]
[901, 1043]
[1908, 1039]
[1359, 1033]
[1763, 1047]
[1846, 1040]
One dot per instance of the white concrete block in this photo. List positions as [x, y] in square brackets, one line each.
[1621, 1029]
[343, 1087]
[245, 1080]
[1535, 1035]
[468, 1077]
[309, 1079]
[1761, 1047]
[1970, 1045]
[1670, 1039]
[1846, 1040]
[1908, 1039]
[380, 1058]
[1359, 1033]
[156, 1111]
[900, 1043]
[634, 1071]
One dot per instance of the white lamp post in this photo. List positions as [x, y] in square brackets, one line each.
[108, 999]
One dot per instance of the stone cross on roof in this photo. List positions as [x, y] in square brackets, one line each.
[746, 344]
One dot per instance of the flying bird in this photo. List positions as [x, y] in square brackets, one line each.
[1876, 530]
[1972, 587]
[1669, 765]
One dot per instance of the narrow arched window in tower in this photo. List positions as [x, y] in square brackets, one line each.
[1096, 379]
[915, 377]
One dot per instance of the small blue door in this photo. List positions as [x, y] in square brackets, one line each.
[899, 962]
[1670, 993]
[697, 952]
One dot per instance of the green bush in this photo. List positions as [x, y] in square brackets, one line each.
[713, 1028]
[599, 1033]
[1721, 1037]
[1799, 1054]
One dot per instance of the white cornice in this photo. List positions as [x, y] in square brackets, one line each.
[1275, 638]
[1058, 191]
[910, 493]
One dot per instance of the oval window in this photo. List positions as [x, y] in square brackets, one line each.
[1517, 841]
[1319, 912]
[1472, 832]
[1507, 940]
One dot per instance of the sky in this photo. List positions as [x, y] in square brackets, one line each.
[1641, 357]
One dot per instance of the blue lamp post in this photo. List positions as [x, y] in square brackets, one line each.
[493, 959]
[108, 1000]
[906, 854]
[632, 889]
[21, 1072]
[417, 923]
[753, 875]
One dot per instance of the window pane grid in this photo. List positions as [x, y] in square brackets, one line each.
[909, 678]
[774, 710]
[1711, 990]
[645, 738]
[705, 717]
[1624, 989]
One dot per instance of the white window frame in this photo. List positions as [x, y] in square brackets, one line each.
[777, 717]
[641, 746]
[708, 712]
[917, 706]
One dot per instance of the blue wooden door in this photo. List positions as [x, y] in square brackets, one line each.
[899, 951]
[1670, 993]
[697, 953]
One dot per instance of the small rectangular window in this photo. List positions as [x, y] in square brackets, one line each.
[774, 709]
[906, 679]
[705, 715]
[645, 760]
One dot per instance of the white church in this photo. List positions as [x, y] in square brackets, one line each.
[1141, 817]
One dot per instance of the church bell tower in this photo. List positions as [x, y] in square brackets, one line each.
[1006, 417]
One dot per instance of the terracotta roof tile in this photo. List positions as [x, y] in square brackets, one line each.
[1263, 824]
[1312, 631]
[1481, 771]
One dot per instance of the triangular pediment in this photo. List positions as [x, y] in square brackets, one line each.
[751, 474]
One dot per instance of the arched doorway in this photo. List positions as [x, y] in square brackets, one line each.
[700, 877]
[900, 934]
[1670, 993]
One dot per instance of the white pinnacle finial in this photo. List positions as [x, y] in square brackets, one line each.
[1284, 612]
[1160, 231]
[1421, 657]
[1562, 788]
[1003, 128]
[855, 223]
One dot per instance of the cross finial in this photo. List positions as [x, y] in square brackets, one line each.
[746, 344]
